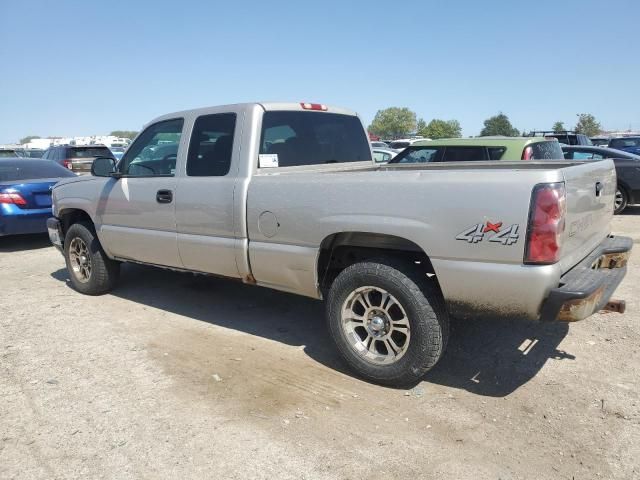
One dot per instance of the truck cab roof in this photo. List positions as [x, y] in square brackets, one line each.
[266, 106]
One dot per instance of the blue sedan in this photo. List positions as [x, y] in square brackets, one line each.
[25, 193]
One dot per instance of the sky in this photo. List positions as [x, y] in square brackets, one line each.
[72, 68]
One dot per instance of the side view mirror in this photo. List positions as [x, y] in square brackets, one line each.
[103, 167]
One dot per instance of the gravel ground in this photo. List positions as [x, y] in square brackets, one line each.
[175, 376]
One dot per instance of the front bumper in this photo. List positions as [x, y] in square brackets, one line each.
[588, 286]
[55, 232]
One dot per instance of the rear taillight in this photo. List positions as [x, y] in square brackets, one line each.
[527, 153]
[314, 106]
[13, 198]
[67, 163]
[546, 224]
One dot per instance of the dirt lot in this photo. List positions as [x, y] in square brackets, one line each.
[176, 376]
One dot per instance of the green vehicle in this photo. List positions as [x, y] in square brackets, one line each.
[481, 148]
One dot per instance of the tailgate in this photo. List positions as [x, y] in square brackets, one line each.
[590, 191]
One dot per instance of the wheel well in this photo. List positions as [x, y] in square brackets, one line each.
[340, 250]
[70, 216]
[625, 187]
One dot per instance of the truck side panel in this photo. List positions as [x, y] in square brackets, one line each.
[290, 214]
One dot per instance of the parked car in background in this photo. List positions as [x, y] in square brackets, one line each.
[10, 153]
[383, 155]
[32, 153]
[118, 152]
[627, 171]
[379, 145]
[568, 137]
[600, 141]
[25, 194]
[284, 195]
[404, 143]
[481, 148]
[77, 158]
[626, 144]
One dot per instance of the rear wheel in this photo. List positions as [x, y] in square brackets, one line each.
[90, 270]
[388, 321]
[621, 200]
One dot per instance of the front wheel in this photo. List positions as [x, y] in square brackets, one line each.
[388, 321]
[621, 200]
[90, 270]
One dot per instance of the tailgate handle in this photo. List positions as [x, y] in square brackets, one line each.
[598, 189]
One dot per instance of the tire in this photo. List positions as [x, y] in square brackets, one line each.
[421, 304]
[90, 270]
[621, 200]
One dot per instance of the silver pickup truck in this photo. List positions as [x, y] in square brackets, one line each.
[286, 196]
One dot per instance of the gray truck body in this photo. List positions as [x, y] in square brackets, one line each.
[276, 226]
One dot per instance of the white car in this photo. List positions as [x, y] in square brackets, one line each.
[405, 142]
[383, 155]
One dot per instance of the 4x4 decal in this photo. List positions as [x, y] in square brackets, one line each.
[492, 231]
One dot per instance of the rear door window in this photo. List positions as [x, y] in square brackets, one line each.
[464, 154]
[495, 153]
[211, 145]
[418, 154]
[312, 138]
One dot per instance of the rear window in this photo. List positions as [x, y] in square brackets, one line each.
[549, 150]
[624, 142]
[28, 170]
[8, 153]
[312, 138]
[86, 152]
[399, 145]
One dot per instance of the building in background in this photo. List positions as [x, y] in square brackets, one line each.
[44, 143]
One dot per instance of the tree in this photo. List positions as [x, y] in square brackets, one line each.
[28, 139]
[499, 125]
[559, 127]
[420, 125]
[124, 134]
[394, 122]
[588, 125]
[441, 129]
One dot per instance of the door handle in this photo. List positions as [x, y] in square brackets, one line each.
[599, 188]
[164, 196]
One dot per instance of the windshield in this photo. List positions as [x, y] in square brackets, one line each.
[29, 170]
[398, 145]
